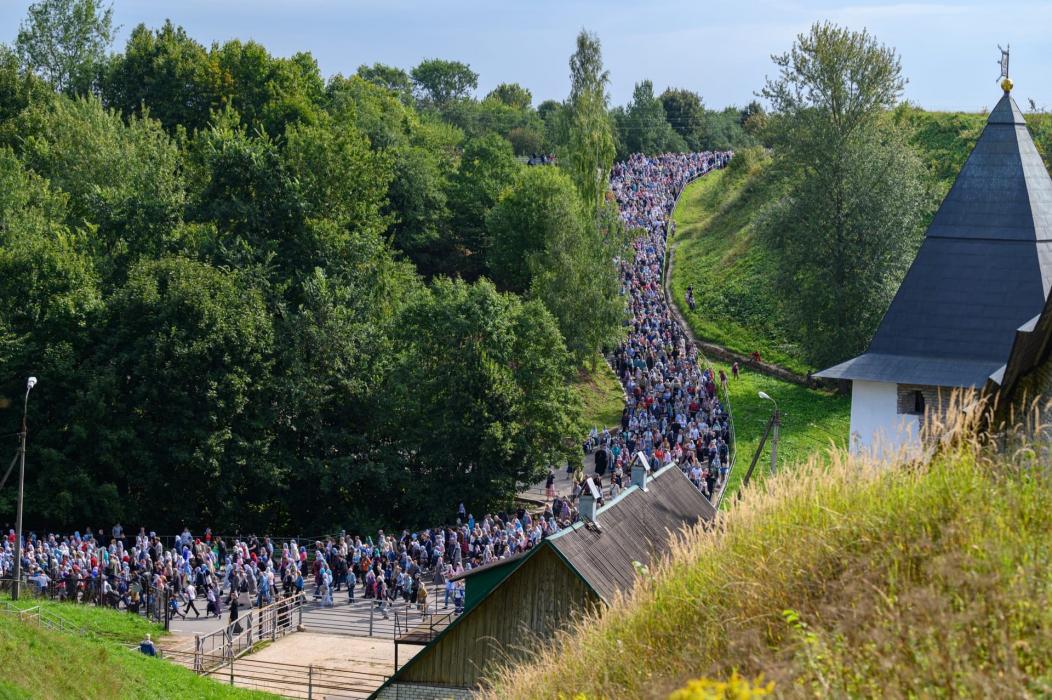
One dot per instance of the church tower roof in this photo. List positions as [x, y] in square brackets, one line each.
[983, 270]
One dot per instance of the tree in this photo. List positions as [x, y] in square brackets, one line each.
[590, 146]
[174, 396]
[686, 115]
[512, 95]
[488, 373]
[65, 41]
[123, 179]
[439, 83]
[531, 217]
[487, 168]
[169, 74]
[388, 77]
[644, 126]
[851, 221]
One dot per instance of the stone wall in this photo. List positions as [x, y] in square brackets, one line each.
[419, 691]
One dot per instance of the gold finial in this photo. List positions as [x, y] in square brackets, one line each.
[1006, 85]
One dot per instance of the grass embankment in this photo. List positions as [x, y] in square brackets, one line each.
[40, 663]
[842, 579]
[715, 251]
[601, 394]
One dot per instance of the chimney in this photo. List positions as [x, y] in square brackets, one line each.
[589, 498]
[640, 471]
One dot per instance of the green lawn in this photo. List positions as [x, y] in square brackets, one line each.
[111, 624]
[40, 663]
[601, 395]
[812, 422]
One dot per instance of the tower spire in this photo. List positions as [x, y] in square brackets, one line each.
[1006, 82]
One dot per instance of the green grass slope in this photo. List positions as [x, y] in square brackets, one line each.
[601, 394]
[40, 663]
[715, 251]
[842, 579]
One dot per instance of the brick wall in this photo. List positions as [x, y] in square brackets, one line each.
[418, 691]
[936, 398]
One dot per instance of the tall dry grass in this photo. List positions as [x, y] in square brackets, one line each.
[847, 577]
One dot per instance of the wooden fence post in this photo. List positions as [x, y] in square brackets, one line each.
[310, 682]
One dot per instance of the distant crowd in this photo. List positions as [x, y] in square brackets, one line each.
[673, 414]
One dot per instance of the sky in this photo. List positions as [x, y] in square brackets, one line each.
[720, 49]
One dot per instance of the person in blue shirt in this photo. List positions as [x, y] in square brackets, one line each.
[146, 646]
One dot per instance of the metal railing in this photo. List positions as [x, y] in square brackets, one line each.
[268, 623]
[149, 602]
[288, 680]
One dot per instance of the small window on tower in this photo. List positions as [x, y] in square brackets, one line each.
[917, 402]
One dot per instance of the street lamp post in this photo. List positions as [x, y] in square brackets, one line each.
[776, 422]
[30, 383]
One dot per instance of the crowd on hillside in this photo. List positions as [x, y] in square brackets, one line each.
[673, 411]
[673, 414]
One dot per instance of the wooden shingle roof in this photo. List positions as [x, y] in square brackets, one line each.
[634, 527]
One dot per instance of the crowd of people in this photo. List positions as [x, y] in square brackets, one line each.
[673, 414]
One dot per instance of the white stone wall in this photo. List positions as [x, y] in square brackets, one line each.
[877, 427]
[417, 691]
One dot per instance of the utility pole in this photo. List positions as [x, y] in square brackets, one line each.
[30, 383]
[776, 422]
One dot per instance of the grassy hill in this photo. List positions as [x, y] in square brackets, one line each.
[842, 579]
[40, 663]
[717, 252]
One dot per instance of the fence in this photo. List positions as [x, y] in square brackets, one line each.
[289, 680]
[150, 602]
[267, 623]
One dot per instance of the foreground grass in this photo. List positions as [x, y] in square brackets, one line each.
[39, 663]
[843, 579]
[601, 394]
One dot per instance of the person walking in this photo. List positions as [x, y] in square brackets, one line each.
[190, 594]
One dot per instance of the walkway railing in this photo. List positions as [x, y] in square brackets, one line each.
[268, 623]
[151, 603]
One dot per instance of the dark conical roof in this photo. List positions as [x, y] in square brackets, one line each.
[983, 270]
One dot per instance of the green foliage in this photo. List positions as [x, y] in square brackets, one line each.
[65, 41]
[122, 177]
[169, 74]
[643, 125]
[512, 95]
[394, 79]
[851, 221]
[438, 83]
[686, 115]
[530, 220]
[488, 373]
[213, 263]
[177, 398]
[487, 167]
[589, 146]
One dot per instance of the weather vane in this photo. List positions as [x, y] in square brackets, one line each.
[1006, 82]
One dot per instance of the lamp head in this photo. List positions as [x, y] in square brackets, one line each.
[763, 395]
[30, 383]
